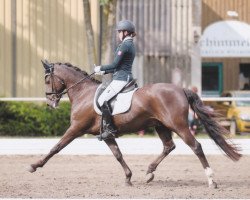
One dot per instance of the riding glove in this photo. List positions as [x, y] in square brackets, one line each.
[100, 73]
[98, 70]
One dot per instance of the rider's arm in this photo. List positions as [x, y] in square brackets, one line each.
[117, 61]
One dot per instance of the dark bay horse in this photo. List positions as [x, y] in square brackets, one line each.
[163, 106]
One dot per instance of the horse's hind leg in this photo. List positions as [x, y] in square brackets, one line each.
[118, 155]
[68, 137]
[190, 140]
[168, 145]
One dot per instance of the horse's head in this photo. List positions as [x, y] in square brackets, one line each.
[54, 84]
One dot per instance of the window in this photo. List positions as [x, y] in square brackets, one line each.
[211, 79]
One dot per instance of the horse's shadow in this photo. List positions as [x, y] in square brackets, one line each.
[194, 183]
[176, 183]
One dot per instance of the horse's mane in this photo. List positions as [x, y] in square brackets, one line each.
[79, 70]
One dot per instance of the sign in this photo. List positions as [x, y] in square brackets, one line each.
[226, 39]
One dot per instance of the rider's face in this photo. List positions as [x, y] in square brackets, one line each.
[120, 35]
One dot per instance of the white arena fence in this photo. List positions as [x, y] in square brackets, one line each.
[28, 99]
[43, 99]
[92, 146]
[84, 146]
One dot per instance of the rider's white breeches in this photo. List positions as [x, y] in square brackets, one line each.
[113, 88]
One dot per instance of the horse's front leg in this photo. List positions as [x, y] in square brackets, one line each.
[68, 137]
[117, 153]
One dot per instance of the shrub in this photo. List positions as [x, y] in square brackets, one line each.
[32, 119]
[36, 119]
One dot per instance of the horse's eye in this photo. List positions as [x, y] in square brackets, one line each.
[47, 79]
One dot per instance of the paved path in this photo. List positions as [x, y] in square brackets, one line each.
[82, 146]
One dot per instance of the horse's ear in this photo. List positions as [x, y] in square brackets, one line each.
[47, 66]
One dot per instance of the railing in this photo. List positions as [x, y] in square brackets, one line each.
[29, 99]
[225, 98]
[40, 99]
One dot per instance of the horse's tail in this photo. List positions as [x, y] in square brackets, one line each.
[213, 128]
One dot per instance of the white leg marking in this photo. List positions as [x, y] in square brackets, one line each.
[209, 174]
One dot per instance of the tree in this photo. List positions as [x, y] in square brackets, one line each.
[92, 58]
[108, 27]
[108, 16]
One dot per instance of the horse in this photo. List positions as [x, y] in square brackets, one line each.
[161, 105]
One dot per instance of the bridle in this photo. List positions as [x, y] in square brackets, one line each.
[54, 95]
[57, 95]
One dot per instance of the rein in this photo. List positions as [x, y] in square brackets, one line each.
[66, 91]
[59, 95]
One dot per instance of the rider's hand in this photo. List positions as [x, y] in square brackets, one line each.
[100, 73]
[97, 69]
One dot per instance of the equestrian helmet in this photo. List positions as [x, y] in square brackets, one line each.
[126, 25]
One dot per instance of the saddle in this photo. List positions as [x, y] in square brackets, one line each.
[121, 102]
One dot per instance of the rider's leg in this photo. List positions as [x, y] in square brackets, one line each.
[113, 88]
[109, 129]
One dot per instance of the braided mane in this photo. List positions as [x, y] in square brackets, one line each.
[79, 70]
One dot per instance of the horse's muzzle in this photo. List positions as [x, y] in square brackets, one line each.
[52, 104]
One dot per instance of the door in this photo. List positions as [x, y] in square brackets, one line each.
[212, 79]
[244, 76]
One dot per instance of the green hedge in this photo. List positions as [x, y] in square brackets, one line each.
[33, 119]
[36, 119]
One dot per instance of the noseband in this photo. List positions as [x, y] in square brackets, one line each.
[56, 94]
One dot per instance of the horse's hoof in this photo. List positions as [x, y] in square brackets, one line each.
[213, 185]
[149, 177]
[128, 183]
[31, 169]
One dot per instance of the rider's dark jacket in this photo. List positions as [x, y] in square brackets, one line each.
[122, 64]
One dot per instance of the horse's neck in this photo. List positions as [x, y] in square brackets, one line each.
[77, 91]
[83, 92]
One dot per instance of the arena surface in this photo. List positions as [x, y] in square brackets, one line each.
[101, 176]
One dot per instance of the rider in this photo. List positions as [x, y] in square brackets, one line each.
[122, 74]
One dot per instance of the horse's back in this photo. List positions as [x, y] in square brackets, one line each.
[160, 103]
[162, 96]
[166, 90]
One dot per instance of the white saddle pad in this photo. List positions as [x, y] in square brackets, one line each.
[122, 102]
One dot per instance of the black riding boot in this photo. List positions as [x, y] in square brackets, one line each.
[108, 126]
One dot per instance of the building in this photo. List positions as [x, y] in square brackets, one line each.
[176, 42]
[225, 45]
[32, 30]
